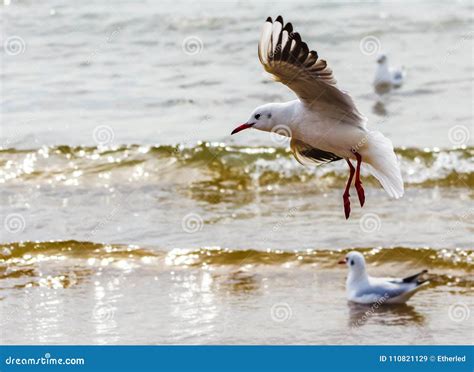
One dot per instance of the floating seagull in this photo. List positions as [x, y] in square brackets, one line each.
[387, 78]
[364, 289]
[323, 123]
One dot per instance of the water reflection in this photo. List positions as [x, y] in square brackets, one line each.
[400, 314]
[379, 108]
[382, 88]
[241, 282]
[193, 306]
[103, 317]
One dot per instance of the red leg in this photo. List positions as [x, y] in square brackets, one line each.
[346, 195]
[358, 182]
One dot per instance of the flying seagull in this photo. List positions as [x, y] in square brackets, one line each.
[386, 77]
[323, 122]
[364, 289]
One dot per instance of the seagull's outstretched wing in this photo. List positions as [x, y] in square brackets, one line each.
[284, 55]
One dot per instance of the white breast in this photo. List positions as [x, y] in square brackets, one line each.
[326, 130]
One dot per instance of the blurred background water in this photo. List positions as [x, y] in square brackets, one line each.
[115, 123]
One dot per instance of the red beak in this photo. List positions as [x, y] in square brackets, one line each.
[241, 127]
[342, 262]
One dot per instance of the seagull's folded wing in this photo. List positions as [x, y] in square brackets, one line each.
[382, 290]
[284, 55]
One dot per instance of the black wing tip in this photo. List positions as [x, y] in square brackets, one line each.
[269, 19]
[288, 27]
[414, 278]
[279, 19]
[320, 155]
[420, 282]
[296, 36]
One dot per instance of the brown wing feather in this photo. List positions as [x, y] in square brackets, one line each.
[284, 55]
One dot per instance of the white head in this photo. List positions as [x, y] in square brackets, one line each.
[355, 262]
[382, 59]
[264, 118]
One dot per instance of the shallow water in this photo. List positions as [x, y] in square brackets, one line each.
[129, 215]
[78, 292]
[231, 197]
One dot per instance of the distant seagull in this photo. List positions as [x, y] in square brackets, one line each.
[364, 289]
[323, 123]
[386, 77]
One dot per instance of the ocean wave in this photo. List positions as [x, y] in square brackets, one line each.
[217, 165]
[62, 264]
[30, 253]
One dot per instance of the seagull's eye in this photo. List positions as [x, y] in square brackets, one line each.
[352, 262]
[257, 116]
[269, 116]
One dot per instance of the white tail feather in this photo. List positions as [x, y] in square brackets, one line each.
[383, 164]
